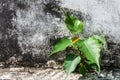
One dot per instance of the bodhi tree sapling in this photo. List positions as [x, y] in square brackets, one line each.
[87, 50]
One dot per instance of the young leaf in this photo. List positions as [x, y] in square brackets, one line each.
[90, 47]
[71, 62]
[74, 25]
[61, 45]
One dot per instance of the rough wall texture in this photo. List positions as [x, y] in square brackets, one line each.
[31, 27]
[8, 36]
[103, 16]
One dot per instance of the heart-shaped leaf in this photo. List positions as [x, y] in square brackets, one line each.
[90, 47]
[61, 45]
[71, 62]
[74, 25]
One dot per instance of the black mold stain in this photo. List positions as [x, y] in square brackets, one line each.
[52, 7]
[79, 15]
[111, 55]
[8, 42]
[21, 5]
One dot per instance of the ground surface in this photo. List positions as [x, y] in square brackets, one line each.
[21, 73]
[53, 71]
[35, 74]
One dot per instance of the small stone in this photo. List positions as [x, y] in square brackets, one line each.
[1, 65]
[11, 60]
[36, 65]
[51, 63]
[110, 75]
[101, 75]
[17, 69]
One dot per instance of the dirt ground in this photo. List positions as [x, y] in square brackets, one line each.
[21, 73]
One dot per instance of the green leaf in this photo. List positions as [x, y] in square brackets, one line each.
[91, 48]
[61, 45]
[71, 63]
[74, 25]
[101, 39]
[82, 69]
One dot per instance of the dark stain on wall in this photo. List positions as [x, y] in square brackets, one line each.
[8, 41]
[21, 5]
[111, 56]
[52, 7]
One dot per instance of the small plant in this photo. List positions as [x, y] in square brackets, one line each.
[86, 52]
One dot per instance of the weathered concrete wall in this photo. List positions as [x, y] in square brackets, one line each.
[102, 16]
[33, 26]
[29, 28]
[8, 36]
